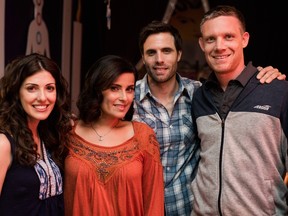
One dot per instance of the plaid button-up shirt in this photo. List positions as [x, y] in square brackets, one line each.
[178, 147]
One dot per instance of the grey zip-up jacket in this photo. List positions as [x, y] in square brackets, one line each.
[244, 156]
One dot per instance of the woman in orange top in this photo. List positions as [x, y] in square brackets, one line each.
[113, 166]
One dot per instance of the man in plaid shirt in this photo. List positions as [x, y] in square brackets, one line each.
[163, 101]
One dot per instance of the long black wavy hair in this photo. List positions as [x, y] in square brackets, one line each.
[13, 119]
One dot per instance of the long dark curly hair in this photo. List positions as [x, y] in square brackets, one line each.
[13, 119]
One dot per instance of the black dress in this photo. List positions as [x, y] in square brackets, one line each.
[20, 192]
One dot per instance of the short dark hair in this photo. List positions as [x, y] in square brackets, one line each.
[156, 27]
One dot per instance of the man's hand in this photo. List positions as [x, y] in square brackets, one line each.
[267, 74]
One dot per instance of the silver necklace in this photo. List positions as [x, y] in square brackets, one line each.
[101, 136]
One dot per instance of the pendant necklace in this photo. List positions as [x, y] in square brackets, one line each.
[101, 136]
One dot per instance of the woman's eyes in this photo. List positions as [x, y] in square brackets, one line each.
[117, 88]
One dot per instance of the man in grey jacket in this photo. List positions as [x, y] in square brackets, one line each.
[242, 125]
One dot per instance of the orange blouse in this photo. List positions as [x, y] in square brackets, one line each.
[123, 180]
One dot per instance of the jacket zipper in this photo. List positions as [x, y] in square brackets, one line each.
[220, 166]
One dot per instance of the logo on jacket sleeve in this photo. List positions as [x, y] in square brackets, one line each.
[262, 107]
